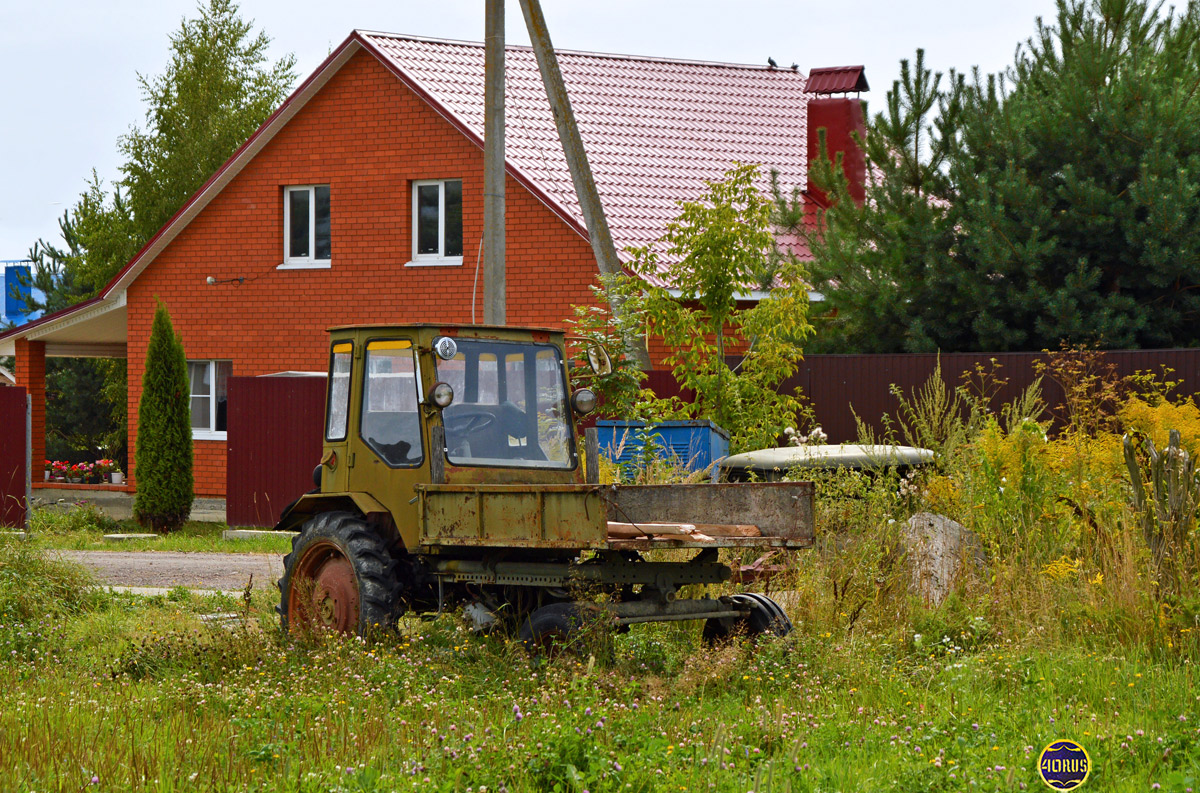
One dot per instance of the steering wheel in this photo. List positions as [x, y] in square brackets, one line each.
[466, 420]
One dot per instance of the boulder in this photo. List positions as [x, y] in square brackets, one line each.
[938, 550]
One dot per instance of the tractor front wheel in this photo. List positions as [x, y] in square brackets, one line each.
[340, 576]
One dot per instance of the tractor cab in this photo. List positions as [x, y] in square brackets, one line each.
[413, 405]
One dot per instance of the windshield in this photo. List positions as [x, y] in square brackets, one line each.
[510, 405]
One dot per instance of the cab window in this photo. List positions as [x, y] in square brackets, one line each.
[510, 406]
[391, 422]
[338, 404]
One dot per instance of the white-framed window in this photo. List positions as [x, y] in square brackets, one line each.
[437, 222]
[306, 235]
[209, 390]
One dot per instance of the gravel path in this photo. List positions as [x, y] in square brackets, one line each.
[222, 571]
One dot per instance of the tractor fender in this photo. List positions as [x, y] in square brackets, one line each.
[295, 514]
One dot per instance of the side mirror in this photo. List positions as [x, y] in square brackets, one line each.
[599, 360]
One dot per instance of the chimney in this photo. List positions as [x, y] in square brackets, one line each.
[840, 117]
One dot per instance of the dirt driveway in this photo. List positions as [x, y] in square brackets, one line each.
[221, 571]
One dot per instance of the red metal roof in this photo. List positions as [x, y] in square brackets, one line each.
[655, 130]
[837, 80]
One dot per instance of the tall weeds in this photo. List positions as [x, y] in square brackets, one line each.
[1068, 527]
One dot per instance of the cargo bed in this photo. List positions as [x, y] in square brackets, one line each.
[617, 517]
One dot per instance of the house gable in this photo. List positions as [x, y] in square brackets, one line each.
[368, 137]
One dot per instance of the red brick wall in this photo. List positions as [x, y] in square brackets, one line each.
[368, 137]
[30, 372]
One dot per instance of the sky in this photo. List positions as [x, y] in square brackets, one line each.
[70, 67]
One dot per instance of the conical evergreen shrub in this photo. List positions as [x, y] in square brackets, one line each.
[164, 434]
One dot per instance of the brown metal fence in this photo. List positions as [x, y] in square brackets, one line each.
[13, 451]
[274, 442]
[275, 423]
[840, 386]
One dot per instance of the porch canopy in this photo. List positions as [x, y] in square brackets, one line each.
[93, 329]
[96, 328]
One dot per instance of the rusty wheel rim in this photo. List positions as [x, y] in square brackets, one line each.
[324, 590]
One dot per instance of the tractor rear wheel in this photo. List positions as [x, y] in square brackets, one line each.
[765, 616]
[340, 576]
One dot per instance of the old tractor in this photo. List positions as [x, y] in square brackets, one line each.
[451, 478]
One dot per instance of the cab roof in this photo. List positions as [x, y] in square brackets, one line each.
[448, 327]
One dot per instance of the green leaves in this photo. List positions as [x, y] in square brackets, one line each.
[715, 251]
[215, 92]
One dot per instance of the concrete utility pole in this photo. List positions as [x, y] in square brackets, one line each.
[494, 308]
[581, 172]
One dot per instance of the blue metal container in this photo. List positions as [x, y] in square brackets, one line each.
[695, 445]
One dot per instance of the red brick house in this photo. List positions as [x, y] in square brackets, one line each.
[361, 200]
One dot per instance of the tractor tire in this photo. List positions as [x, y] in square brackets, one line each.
[766, 616]
[553, 629]
[341, 575]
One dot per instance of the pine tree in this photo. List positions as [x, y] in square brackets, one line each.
[1080, 213]
[1057, 202]
[164, 439]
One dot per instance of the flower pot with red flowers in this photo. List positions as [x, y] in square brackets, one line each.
[109, 471]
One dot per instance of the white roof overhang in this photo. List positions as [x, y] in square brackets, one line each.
[97, 331]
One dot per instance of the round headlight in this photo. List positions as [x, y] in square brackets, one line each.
[442, 395]
[583, 401]
[445, 347]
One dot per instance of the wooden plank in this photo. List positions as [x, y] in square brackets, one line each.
[713, 542]
[617, 529]
[591, 455]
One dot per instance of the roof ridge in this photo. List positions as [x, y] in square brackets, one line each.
[585, 53]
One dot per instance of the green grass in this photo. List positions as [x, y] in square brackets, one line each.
[1062, 626]
[143, 695]
[82, 528]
